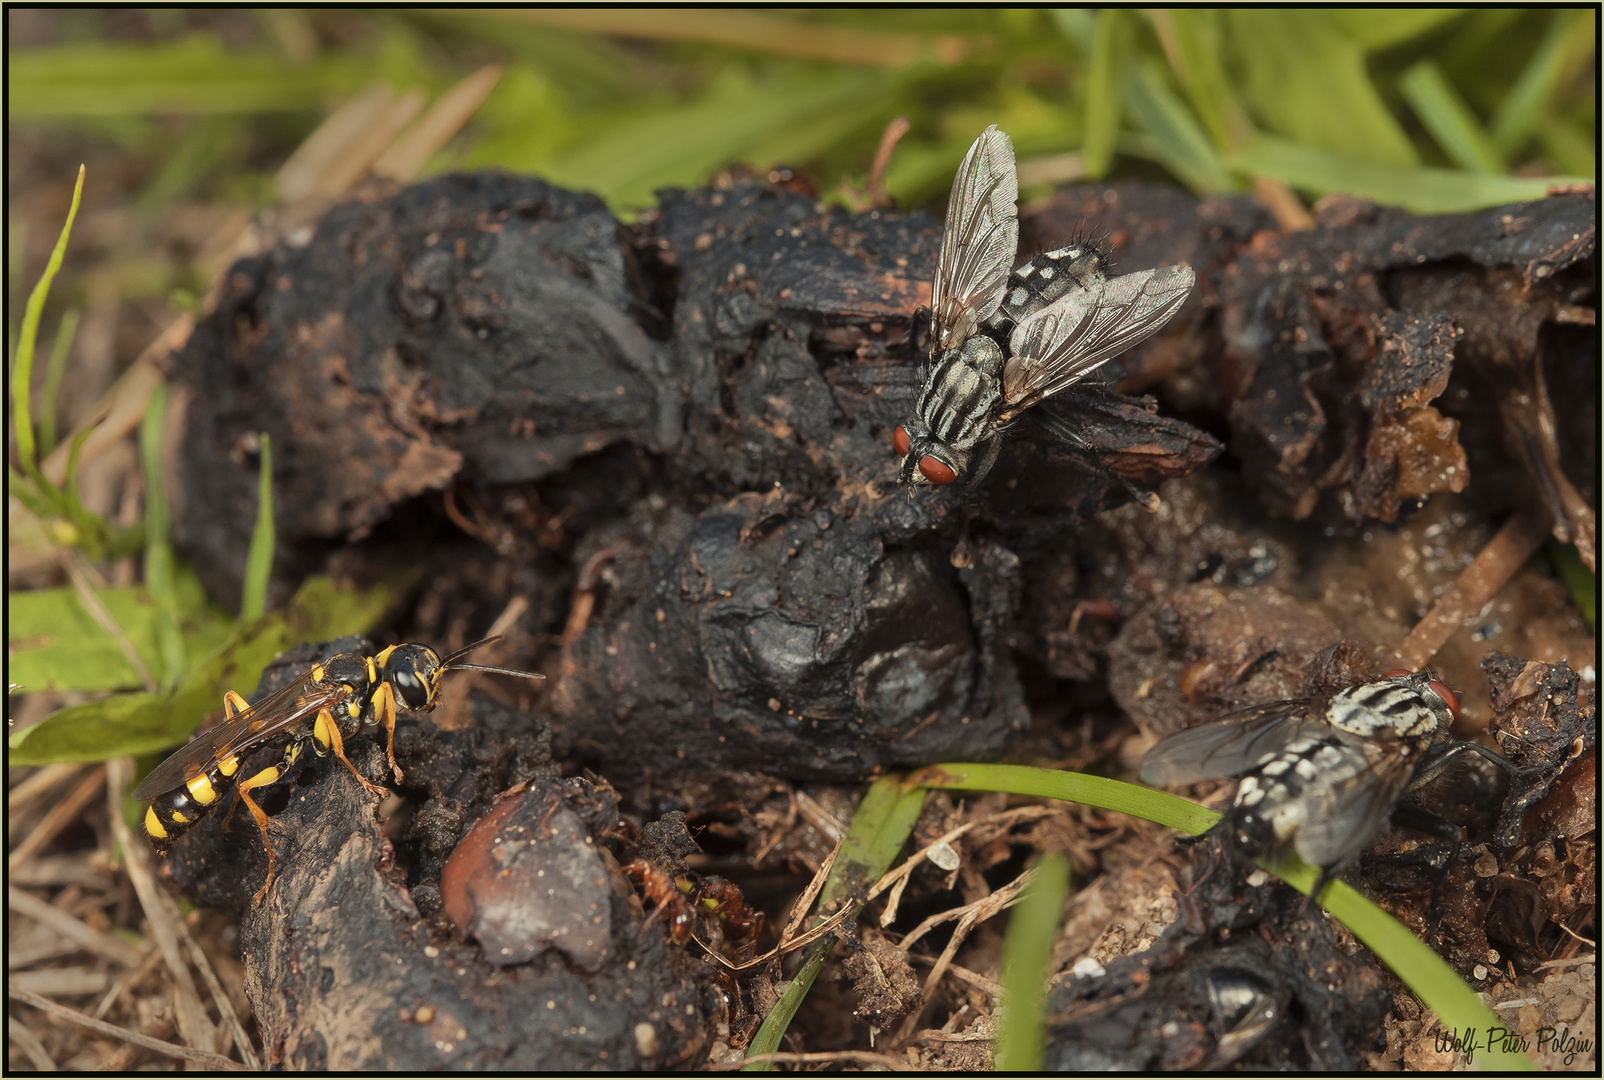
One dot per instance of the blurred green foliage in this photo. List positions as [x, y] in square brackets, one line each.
[1433, 109]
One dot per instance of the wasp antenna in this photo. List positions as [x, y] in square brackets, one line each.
[497, 670]
[466, 649]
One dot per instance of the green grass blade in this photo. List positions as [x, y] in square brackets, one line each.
[1197, 37]
[1579, 581]
[1307, 81]
[1375, 28]
[159, 582]
[1426, 973]
[259, 558]
[880, 827]
[1450, 121]
[1421, 190]
[1110, 45]
[1026, 966]
[27, 337]
[60, 349]
[1184, 147]
[1518, 114]
[134, 724]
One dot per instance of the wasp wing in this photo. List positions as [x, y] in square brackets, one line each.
[261, 721]
[1062, 343]
[978, 242]
[1345, 810]
[1230, 745]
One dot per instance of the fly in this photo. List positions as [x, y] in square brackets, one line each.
[322, 708]
[1317, 778]
[1003, 342]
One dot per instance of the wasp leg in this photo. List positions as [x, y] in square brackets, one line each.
[269, 775]
[384, 708]
[327, 732]
[233, 704]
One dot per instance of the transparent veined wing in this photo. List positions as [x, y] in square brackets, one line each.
[978, 242]
[261, 721]
[1344, 811]
[1230, 745]
[1061, 344]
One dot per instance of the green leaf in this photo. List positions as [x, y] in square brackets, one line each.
[1183, 146]
[1110, 47]
[1306, 79]
[55, 644]
[259, 556]
[193, 75]
[1026, 965]
[159, 581]
[22, 372]
[1420, 190]
[66, 331]
[1197, 37]
[1520, 111]
[1382, 28]
[133, 724]
[683, 144]
[1579, 581]
[1450, 121]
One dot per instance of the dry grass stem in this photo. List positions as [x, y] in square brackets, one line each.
[60, 816]
[86, 937]
[819, 817]
[23, 1038]
[897, 878]
[408, 154]
[831, 1057]
[43, 780]
[162, 916]
[182, 1053]
[1494, 565]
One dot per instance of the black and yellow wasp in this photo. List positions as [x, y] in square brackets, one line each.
[322, 708]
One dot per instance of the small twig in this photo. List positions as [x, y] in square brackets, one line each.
[73, 563]
[1496, 563]
[864, 1057]
[23, 1038]
[1005, 819]
[127, 981]
[788, 943]
[973, 978]
[452, 109]
[882, 160]
[182, 1053]
[1283, 205]
[585, 596]
[819, 817]
[60, 816]
[39, 783]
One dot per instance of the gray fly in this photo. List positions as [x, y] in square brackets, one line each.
[1004, 341]
[1321, 777]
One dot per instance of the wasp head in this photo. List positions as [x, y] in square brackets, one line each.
[414, 671]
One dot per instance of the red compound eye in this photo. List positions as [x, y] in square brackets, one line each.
[1449, 698]
[900, 441]
[935, 471]
[1398, 673]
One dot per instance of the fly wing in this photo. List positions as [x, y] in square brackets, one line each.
[261, 721]
[1063, 342]
[978, 242]
[1344, 812]
[1230, 745]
